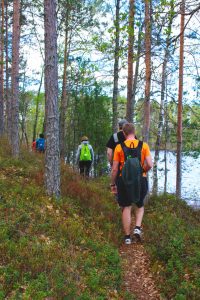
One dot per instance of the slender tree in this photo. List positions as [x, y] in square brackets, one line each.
[37, 107]
[162, 98]
[116, 67]
[15, 79]
[2, 70]
[129, 106]
[63, 107]
[147, 71]
[52, 156]
[180, 97]
[7, 75]
[137, 64]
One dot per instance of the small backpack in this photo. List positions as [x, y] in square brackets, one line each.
[85, 153]
[132, 170]
[40, 145]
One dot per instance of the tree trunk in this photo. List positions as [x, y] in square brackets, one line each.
[180, 97]
[52, 156]
[15, 79]
[129, 105]
[2, 70]
[116, 69]
[162, 100]
[7, 94]
[63, 108]
[147, 71]
[166, 140]
[37, 108]
[137, 64]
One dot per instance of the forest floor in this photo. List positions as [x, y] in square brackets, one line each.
[137, 277]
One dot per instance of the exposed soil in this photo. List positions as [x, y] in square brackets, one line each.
[138, 279]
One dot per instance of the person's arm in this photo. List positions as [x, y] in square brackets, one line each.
[110, 155]
[114, 172]
[148, 164]
[92, 153]
[78, 154]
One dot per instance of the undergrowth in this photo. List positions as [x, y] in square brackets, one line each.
[172, 237]
[56, 249]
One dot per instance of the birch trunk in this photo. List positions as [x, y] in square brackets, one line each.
[52, 157]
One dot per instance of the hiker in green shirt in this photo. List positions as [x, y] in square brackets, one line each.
[84, 156]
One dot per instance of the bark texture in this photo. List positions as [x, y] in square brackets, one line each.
[2, 70]
[15, 79]
[116, 69]
[129, 106]
[180, 98]
[52, 157]
[147, 71]
[162, 102]
[63, 108]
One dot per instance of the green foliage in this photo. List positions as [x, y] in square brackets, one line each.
[63, 250]
[173, 238]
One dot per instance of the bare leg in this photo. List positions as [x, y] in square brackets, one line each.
[139, 212]
[126, 219]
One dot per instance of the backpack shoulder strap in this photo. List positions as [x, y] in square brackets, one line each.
[139, 147]
[115, 137]
[124, 149]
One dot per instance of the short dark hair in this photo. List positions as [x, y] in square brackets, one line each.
[128, 128]
[41, 135]
[122, 122]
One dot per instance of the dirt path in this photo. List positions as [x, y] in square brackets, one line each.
[138, 279]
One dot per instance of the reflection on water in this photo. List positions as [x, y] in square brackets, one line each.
[190, 177]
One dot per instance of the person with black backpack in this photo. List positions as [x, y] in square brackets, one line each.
[115, 139]
[85, 156]
[133, 159]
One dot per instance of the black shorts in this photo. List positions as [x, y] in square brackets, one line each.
[123, 197]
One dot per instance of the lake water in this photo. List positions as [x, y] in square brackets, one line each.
[190, 177]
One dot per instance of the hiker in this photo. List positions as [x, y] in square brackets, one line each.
[115, 139]
[33, 145]
[40, 143]
[134, 190]
[85, 156]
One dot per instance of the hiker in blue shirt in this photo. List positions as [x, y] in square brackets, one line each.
[40, 143]
[84, 156]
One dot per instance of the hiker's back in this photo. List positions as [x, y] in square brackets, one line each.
[40, 144]
[85, 154]
[132, 170]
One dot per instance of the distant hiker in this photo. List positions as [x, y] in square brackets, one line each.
[85, 156]
[115, 139]
[33, 145]
[40, 143]
[133, 158]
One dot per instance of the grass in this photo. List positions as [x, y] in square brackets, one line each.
[68, 249]
[49, 249]
[173, 240]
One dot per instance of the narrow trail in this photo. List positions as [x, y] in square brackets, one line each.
[137, 278]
